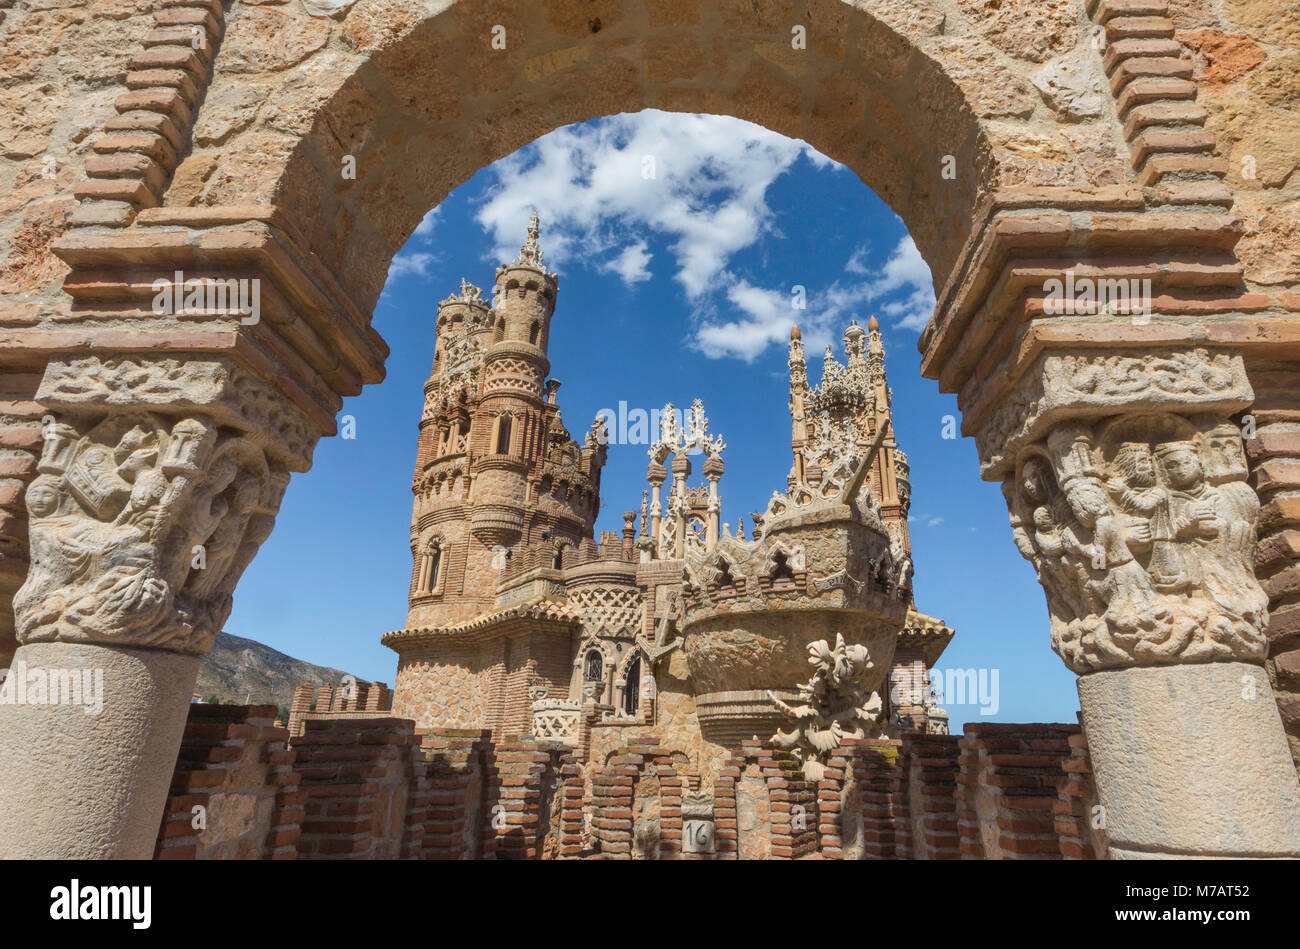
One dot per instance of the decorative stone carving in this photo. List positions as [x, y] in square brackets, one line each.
[530, 253]
[608, 610]
[220, 388]
[836, 705]
[662, 646]
[1142, 531]
[556, 720]
[1093, 384]
[842, 580]
[140, 527]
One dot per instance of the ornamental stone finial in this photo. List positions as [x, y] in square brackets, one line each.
[531, 252]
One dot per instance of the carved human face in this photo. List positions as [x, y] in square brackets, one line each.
[1182, 468]
[1088, 501]
[42, 498]
[1034, 481]
[1144, 469]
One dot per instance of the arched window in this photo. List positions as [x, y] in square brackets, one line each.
[431, 569]
[632, 687]
[503, 435]
[533, 331]
[558, 562]
[435, 565]
[593, 667]
[782, 574]
[725, 580]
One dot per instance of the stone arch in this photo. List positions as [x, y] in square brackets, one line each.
[723, 568]
[630, 665]
[879, 89]
[780, 564]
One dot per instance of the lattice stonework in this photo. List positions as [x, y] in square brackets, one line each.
[608, 611]
[556, 720]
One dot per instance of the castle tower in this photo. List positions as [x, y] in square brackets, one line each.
[495, 466]
[836, 423]
[834, 426]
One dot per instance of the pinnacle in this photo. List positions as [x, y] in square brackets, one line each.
[531, 251]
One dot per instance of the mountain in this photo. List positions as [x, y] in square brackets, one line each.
[246, 672]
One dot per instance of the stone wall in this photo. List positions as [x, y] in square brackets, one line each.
[375, 789]
[1007, 794]
[235, 793]
[473, 683]
[455, 779]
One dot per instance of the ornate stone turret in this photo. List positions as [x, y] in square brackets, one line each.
[835, 425]
[495, 467]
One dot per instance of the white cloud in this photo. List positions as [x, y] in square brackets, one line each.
[697, 182]
[858, 262]
[768, 315]
[906, 272]
[413, 262]
[632, 264]
[901, 296]
[424, 230]
[697, 186]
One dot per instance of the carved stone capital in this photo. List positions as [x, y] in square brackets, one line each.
[1141, 527]
[156, 487]
[1091, 384]
[211, 387]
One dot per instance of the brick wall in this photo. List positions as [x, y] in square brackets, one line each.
[1274, 454]
[791, 804]
[373, 788]
[366, 787]
[1080, 828]
[455, 774]
[233, 764]
[1008, 789]
[522, 789]
[886, 820]
[930, 769]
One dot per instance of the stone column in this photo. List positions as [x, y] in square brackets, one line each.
[159, 478]
[713, 469]
[1126, 483]
[677, 509]
[656, 474]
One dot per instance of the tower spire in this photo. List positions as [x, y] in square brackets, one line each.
[531, 252]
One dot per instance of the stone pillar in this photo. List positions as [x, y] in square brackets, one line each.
[1133, 506]
[629, 535]
[159, 478]
[681, 469]
[713, 469]
[656, 474]
[302, 697]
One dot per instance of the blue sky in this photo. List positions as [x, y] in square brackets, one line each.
[678, 240]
